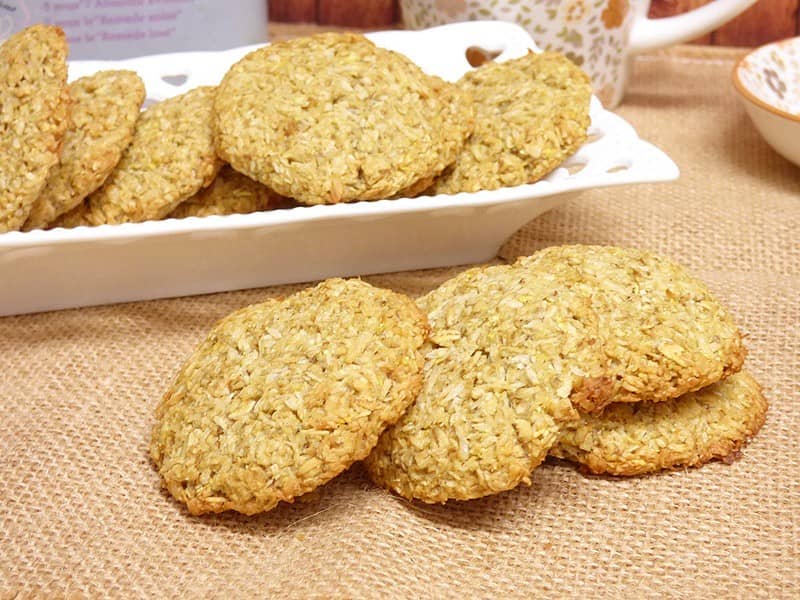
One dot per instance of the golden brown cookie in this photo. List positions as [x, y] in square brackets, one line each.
[34, 114]
[333, 118]
[664, 334]
[72, 218]
[105, 107]
[170, 158]
[632, 439]
[230, 193]
[283, 396]
[531, 114]
[509, 347]
[570, 325]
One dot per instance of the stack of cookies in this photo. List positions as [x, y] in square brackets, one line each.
[614, 358]
[318, 120]
[83, 153]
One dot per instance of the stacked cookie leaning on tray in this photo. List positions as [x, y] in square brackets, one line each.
[613, 358]
[317, 120]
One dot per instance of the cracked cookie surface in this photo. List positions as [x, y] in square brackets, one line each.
[664, 334]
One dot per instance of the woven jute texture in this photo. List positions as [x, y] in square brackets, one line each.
[83, 513]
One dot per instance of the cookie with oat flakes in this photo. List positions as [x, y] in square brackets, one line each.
[229, 193]
[664, 334]
[333, 118]
[531, 114]
[34, 115]
[170, 158]
[283, 396]
[510, 347]
[633, 439]
[72, 218]
[514, 347]
[105, 107]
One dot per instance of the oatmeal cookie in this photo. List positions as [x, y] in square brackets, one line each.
[633, 439]
[170, 158]
[283, 396]
[509, 347]
[230, 193]
[34, 115]
[72, 218]
[531, 114]
[664, 334]
[333, 118]
[105, 107]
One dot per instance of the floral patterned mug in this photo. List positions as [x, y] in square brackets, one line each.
[601, 36]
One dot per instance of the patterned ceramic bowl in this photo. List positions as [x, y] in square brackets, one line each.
[768, 79]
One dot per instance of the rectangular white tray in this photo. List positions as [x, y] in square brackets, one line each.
[46, 270]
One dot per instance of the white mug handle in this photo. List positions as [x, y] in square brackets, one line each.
[649, 34]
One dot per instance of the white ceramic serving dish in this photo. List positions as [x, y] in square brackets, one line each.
[768, 80]
[45, 270]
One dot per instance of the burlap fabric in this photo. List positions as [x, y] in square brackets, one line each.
[83, 512]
